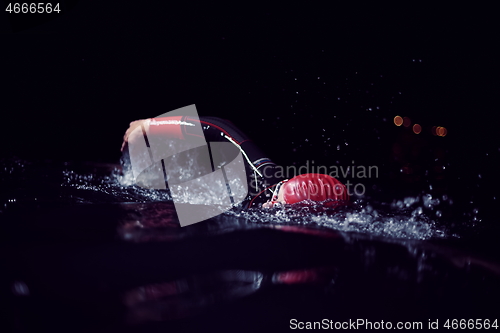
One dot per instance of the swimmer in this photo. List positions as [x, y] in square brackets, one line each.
[267, 188]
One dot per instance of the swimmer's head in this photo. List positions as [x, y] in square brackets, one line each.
[310, 186]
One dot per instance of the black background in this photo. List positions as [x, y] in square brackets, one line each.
[71, 83]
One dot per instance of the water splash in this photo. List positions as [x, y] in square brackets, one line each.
[117, 186]
[392, 222]
[412, 217]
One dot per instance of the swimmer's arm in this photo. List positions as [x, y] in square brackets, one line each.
[170, 127]
[135, 130]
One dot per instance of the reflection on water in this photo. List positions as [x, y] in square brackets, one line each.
[189, 296]
[365, 271]
[412, 217]
[87, 245]
[186, 297]
[239, 272]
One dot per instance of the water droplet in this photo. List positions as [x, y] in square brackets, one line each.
[409, 201]
[20, 288]
[417, 211]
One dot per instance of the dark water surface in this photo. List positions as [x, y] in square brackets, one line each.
[81, 247]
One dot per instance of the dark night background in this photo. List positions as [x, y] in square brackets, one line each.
[71, 84]
[306, 82]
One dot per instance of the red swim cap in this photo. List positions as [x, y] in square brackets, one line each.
[313, 186]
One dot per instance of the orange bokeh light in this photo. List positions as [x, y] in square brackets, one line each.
[441, 131]
[417, 129]
[433, 130]
[406, 122]
[398, 121]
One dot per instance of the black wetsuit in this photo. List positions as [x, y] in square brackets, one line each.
[262, 173]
